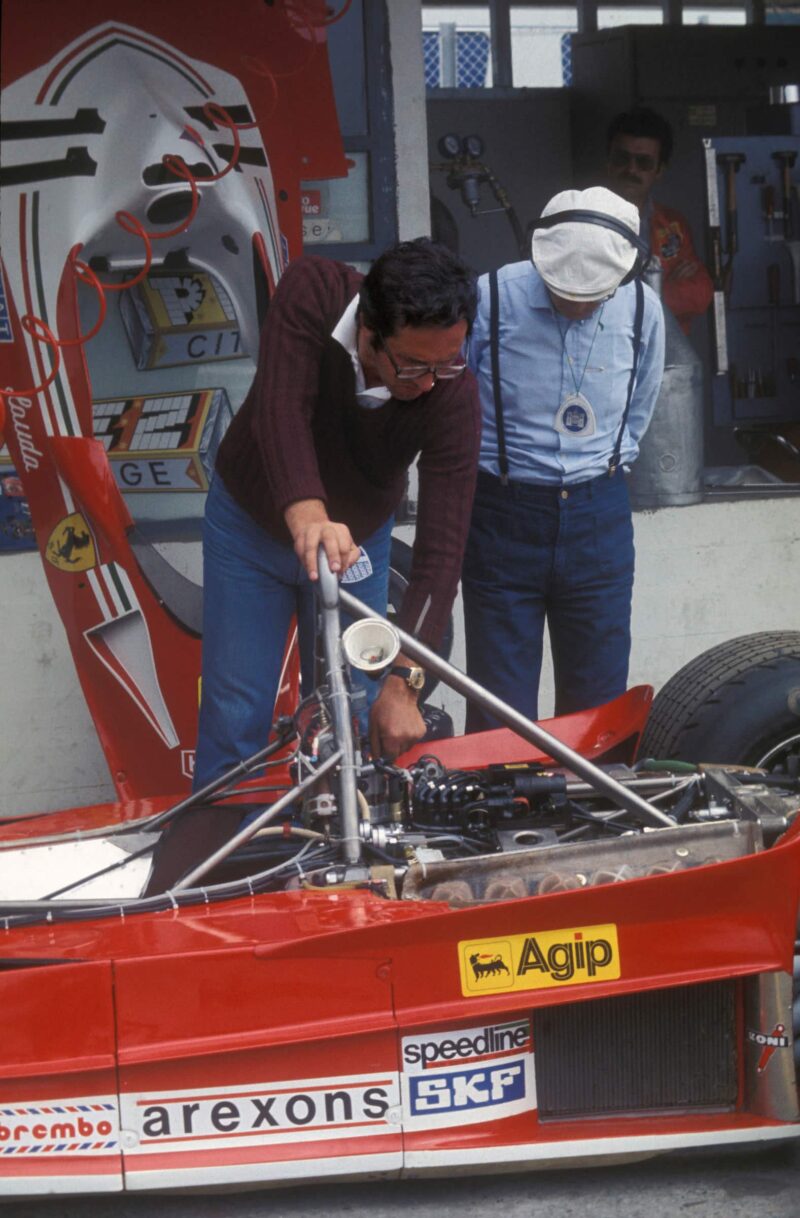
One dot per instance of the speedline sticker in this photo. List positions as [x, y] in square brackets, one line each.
[539, 960]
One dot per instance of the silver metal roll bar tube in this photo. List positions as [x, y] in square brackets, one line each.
[597, 778]
[339, 697]
[244, 835]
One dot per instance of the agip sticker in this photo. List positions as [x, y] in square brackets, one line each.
[539, 960]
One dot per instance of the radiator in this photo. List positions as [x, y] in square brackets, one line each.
[662, 1051]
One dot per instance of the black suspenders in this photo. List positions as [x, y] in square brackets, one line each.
[494, 337]
[637, 336]
[494, 334]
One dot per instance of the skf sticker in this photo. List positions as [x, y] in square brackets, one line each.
[543, 960]
[468, 1075]
[70, 546]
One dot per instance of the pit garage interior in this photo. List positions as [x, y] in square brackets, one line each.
[528, 90]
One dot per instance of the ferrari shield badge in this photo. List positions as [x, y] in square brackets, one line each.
[70, 546]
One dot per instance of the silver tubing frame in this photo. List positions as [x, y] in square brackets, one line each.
[250, 830]
[598, 779]
[339, 698]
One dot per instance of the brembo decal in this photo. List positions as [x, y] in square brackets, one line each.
[86, 1126]
[539, 960]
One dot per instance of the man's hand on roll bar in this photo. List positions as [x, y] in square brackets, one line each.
[310, 527]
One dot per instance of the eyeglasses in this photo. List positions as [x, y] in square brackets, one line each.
[620, 157]
[415, 372]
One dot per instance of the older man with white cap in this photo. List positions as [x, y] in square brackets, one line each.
[569, 354]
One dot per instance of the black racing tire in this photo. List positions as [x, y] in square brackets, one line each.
[399, 575]
[737, 704]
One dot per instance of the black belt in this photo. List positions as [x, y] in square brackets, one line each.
[544, 491]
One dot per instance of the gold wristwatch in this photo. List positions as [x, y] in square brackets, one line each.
[413, 677]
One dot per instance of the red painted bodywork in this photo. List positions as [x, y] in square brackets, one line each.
[261, 1039]
[252, 1009]
[271, 62]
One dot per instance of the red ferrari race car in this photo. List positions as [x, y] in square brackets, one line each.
[511, 950]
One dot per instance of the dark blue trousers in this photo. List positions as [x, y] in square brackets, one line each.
[252, 585]
[560, 555]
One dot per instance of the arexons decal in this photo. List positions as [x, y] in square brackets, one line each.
[540, 960]
[293, 1110]
[467, 1075]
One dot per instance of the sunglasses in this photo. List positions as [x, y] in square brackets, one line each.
[415, 372]
[620, 158]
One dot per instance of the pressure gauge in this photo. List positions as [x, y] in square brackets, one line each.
[450, 145]
[473, 146]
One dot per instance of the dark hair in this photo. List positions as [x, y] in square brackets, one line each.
[417, 283]
[645, 124]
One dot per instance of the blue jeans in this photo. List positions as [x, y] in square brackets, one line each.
[564, 555]
[252, 585]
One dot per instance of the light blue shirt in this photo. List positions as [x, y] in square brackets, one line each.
[543, 356]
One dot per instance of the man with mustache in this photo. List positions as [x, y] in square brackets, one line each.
[639, 146]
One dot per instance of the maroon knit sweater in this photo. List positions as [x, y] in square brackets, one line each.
[301, 434]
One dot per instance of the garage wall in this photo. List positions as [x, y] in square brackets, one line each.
[703, 574]
[526, 137]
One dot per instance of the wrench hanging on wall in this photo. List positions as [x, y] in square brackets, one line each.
[715, 238]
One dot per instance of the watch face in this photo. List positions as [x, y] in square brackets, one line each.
[416, 678]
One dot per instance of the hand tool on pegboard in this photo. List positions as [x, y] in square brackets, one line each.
[729, 163]
[786, 159]
[715, 240]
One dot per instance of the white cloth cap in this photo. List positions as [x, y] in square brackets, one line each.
[580, 261]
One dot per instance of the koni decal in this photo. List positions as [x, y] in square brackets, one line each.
[468, 1075]
[769, 1042]
[539, 960]
[289, 1111]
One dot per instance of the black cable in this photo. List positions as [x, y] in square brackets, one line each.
[80, 912]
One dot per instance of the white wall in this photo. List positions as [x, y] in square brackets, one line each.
[704, 574]
[410, 124]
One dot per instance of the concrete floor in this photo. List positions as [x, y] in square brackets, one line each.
[735, 1183]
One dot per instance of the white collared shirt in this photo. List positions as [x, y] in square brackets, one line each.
[346, 334]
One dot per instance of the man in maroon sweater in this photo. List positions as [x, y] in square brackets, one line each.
[356, 378]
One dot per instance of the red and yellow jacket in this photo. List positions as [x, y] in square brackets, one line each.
[688, 295]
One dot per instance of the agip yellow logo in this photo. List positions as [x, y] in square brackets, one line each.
[543, 960]
[70, 546]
